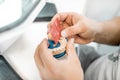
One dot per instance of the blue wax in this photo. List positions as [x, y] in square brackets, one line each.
[51, 46]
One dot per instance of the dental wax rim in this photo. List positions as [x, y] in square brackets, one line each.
[57, 43]
[55, 31]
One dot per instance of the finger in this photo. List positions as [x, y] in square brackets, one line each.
[60, 16]
[80, 40]
[38, 60]
[46, 54]
[73, 30]
[70, 48]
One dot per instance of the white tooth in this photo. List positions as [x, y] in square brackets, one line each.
[60, 49]
[54, 49]
[57, 49]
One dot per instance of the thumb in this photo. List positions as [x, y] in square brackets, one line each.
[70, 48]
[44, 51]
[73, 30]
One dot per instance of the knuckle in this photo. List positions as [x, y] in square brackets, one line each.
[36, 53]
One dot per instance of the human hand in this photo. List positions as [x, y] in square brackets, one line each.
[53, 69]
[82, 29]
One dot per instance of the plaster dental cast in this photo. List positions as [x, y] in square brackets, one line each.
[57, 43]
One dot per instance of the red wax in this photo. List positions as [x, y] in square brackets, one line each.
[55, 31]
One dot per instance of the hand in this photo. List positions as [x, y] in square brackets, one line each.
[82, 29]
[53, 69]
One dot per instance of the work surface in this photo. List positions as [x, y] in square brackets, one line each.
[21, 54]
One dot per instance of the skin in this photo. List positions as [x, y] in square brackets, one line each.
[83, 30]
[110, 32]
[76, 26]
[53, 69]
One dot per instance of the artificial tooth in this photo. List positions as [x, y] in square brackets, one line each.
[54, 49]
[61, 48]
[58, 48]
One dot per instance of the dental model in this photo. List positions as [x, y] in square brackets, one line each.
[56, 43]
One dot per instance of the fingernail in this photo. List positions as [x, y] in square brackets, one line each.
[63, 34]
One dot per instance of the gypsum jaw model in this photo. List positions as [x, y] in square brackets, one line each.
[61, 48]
[57, 43]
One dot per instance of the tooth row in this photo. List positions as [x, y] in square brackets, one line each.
[60, 49]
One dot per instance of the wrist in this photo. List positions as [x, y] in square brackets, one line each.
[98, 31]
